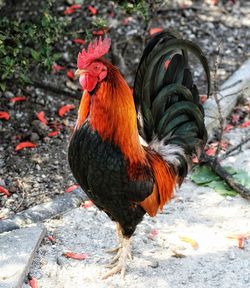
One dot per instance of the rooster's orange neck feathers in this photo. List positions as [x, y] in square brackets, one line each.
[112, 114]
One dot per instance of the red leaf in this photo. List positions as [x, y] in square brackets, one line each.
[87, 204]
[214, 2]
[195, 160]
[4, 115]
[92, 10]
[18, 98]
[211, 151]
[126, 20]
[241, 238]
[41, 117]
[33, 282]
[245, 124]
[70, 75]
[155, 30]
[53, 133]
[71, 188]
[57, 68]
[75, 6]
[65, 109]
[153, 234]
[76, 256]
[203, 98]
[235, 118]
[228, 127]
[4, 191]
[51, 239]
[23, 145]
[99, 32]
[79, 41]
[71, 9]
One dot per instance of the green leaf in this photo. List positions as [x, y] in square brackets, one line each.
[2, 86]
[35, 55]
[202, 175]
[243, 178]
[221, 187]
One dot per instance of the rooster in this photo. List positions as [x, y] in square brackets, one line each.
[130, 150]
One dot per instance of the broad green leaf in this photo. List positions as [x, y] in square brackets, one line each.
[243, 178]
[202, 175]
[221, 187]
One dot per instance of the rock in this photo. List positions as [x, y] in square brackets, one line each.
[8, 94]
[40, 128]
[34, 137]
[231, 255]
[154, 264]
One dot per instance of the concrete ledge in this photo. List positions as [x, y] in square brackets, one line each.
[17, 250]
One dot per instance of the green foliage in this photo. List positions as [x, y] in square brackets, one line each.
[25, 44]
[99, 22]
[203, 175]
[140, 7]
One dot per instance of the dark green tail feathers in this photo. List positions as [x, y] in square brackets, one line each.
[167, 100]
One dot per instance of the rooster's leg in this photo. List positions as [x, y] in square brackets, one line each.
[120, 239]
[119, 262]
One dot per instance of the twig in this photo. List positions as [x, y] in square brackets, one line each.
[213, 163]
[56, 90]
[229, 151]
[217, 101]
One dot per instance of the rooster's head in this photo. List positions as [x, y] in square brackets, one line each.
[90, 69]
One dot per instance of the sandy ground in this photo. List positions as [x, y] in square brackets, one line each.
[198, 213]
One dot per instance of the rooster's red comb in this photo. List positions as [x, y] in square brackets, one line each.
[96, 49]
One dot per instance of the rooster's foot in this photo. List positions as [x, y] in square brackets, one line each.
[119, 262]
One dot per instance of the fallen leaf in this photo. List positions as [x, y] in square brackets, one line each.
[228, 127]
[241, 238]
[203, 98]
[70, 75]
[57, 68]
[193, 243]
[87, 204]
[245, 124]
[33, 282]
[71, 188]
[214, 2]
[235, 118]
[53, 133]
[77, 256]
[41, 117]
[18, 98]
[153, 233]
[4, 191]
[92, 10]
[195, 159]
[211, 151]
[79, 41]
[65, 109]
[4, 115]
[23, 145]
[155, 30]
[71, 9]
[51, 239]
[99, 32]
[126, 20]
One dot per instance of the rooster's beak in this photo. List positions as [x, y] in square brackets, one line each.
[80, 71]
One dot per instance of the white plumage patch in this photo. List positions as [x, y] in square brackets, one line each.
[168, 152]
